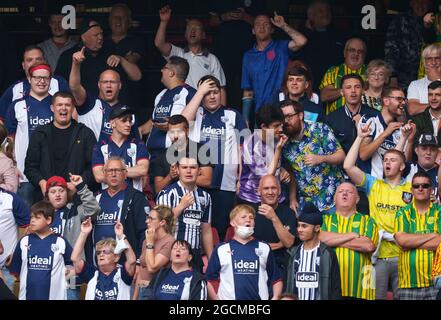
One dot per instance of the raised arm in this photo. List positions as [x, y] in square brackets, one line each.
[189, 111]
[369, 147]
[75, 86]
[153, 261]
[298, 40]
[130, 264]
[86, 229]
[131, 69]
[349, 166]
[163, 46]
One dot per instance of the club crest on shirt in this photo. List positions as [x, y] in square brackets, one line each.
[430, 220]
[224, 119]
[356, 224]
[131, 152]
[202, 201]
[120, 203]
[317, 261]
[206, 66]
[230, 252]
[406, 197]
[54, 247]
[176, 97]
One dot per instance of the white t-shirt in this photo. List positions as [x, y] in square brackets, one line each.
[418, 90]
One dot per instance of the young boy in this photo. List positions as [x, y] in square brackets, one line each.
[109, 281]
[40, 258]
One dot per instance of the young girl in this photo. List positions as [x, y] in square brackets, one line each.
[8, 176]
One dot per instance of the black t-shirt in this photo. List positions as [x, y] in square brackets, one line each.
[161, 167]
[60, 150]
[265, 231]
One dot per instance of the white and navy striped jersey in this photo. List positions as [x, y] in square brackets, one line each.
[176, 286]
[111, 208]
[115, 286]
[132, 150]
[95, 114]
[374, 165]
[41, 266]
[22, 118]
[218, 131]
[22, 88]
[13, 213]
[188, 226]
[167, 103]
[244, 271]
[307, 275]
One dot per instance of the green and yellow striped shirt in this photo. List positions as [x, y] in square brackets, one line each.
[415, 265]
[333, 77]
[356, 270]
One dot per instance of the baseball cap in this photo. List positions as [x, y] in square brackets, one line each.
[427, 140]
[56, 181]
[311, 215]
[85, 25]
[119, 111]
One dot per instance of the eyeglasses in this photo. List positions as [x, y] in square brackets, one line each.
[37, 79]
[353, 50]
[290, 116]
[399, 99]
[113, 171]
[109, 81]
[376, 75]
[432, 59]
[150, 218]
[105, 251]
[418, 185]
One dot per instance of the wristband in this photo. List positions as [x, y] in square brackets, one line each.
[149, 246]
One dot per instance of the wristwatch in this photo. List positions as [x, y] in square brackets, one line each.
[150, 246]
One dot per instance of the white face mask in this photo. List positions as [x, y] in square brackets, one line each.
[244, 232]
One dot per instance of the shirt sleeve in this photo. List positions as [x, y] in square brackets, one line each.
[367, 183]
[329, 77]
[331, 144]
[87, 106]
[5, 101]
[97, 156]
[141, 151]
[272, 269]
[11, 119]
[217, 71]
[67, 254]
[175, 51]
[206, 215]
[87, 273]
[62, 84]
[214, 266]
[20, 211]
[246, 83]
[370, 230]
[126, 277]
[16, 260]
[412, 91]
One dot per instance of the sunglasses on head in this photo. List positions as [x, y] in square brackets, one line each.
[418, 185]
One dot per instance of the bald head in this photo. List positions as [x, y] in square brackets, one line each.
[346, 197]
[269, 190]
[109, 86]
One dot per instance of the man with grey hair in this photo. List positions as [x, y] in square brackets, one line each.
[120, 202]
[417, 93]
[354, 56]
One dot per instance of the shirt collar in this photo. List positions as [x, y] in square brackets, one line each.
[203, 53]
[349, 113]
[432, 117]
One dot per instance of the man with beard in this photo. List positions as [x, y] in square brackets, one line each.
[386, 132]
[313, 155]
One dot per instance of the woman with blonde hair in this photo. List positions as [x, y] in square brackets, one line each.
[8, 175]
[156, 248]
[377, 77]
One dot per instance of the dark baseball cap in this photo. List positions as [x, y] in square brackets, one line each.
[427, 140]
[119, 111]
[86, 24]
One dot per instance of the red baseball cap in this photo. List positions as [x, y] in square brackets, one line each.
[56, 181]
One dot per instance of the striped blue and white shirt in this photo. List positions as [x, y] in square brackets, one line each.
[22, 118]
[244, 271]
[41, 265]
[307, 275]
[188, 226]
[219, 132]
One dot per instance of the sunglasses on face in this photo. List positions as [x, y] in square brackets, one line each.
[105, 251]
[418, 185]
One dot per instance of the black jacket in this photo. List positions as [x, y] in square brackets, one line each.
[134, 213]
[329, 273]
[40, 165]
[198, 285]
[423, 122]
